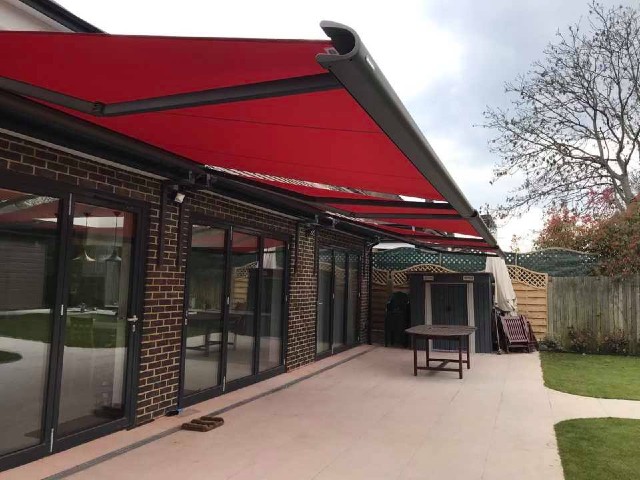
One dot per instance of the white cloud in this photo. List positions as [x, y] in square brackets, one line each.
[526, 227]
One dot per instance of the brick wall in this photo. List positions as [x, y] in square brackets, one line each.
[164, 286]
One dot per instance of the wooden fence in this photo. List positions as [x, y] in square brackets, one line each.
[530, 288]
[599, 304]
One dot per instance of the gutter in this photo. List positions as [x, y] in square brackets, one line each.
[356, 70]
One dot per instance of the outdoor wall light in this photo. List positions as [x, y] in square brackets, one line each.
[178, 197]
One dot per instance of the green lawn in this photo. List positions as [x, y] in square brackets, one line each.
[599, 448]
[36, 327]
[602, 376]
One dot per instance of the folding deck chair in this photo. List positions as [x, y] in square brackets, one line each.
[517, 333]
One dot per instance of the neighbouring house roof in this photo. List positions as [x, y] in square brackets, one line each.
[311, 121]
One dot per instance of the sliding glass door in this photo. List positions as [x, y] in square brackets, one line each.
[204, 309]
[272, 289]
[68, 305]
[325, 292]
[29, 249]
[97, 319]
[338, 299]
[353, 299]
[235, 309]
[245, 254]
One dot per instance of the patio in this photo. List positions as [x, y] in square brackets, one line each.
[365, 416]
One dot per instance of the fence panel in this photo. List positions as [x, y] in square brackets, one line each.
[381, 290]
[531, 293]
[598, 304]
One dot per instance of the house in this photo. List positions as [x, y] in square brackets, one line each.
[183, 217]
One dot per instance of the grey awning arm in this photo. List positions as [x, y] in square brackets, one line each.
[215, 96]
[358, 73]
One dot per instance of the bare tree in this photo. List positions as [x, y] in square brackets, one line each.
[573, 131]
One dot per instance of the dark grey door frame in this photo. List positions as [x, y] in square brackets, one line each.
[256, 376]
[67, 195]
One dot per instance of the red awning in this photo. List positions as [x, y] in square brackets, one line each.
[313, 119]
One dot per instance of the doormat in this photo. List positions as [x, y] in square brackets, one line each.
[203, 424]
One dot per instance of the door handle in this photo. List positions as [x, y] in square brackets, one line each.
[133, 319]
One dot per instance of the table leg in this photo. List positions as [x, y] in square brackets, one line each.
[469, 352]
[415, 355]
[426, 349]
[460, 356]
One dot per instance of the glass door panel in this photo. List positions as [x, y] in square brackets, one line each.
[353, 298]
[92, 390]
[272, 296]
[325, 273]
[29, 252]
[205, 286]
[339, 298]
[242, 305]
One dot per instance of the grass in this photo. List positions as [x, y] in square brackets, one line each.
[602, 376]
[8, 357]
[599, 448]
[37, 327]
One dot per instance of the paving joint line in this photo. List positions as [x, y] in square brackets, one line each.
[141, 443]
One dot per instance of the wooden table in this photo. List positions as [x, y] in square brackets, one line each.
[443, 332]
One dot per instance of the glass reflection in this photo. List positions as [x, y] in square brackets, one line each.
[272, 296]
[28, 249]
[352, 300]
[323, 333]
[95, 340]
[339, 298]
[205, 284]
[242, 305]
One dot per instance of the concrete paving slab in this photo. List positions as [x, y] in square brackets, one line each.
[367, 418]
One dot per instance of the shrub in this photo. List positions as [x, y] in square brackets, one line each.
[581, 341]
[614, 343]
[550, 343]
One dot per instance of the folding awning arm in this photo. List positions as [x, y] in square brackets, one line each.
[358, 73]
[215, 96]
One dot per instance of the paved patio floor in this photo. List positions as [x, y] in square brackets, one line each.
[367, 418]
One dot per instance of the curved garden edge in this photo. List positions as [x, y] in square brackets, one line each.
[596, 448]
[567, 374]
[593, 433]
[595, 376]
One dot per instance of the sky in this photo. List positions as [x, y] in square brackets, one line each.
[447, 60]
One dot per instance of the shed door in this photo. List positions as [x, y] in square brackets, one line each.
[448, 307]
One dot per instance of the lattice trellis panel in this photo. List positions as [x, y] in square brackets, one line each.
[325, 266]
[243, 271]
[556, 262]
[528, 277]
[380, 277]
[400, 278]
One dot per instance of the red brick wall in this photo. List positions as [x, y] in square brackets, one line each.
[164, 288]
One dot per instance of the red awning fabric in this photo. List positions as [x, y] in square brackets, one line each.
[296, 141]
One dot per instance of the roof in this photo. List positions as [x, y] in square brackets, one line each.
[61, 15]
[314, 122]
